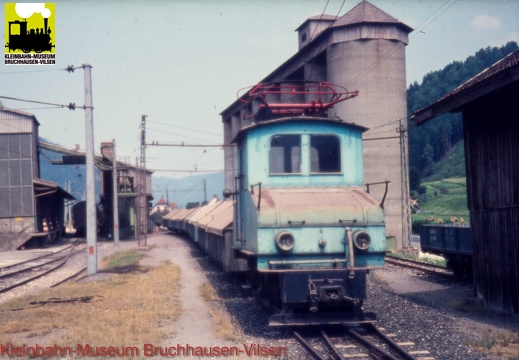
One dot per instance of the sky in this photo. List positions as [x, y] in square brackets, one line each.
[181, 63]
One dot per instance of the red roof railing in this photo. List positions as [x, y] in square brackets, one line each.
[267, 100]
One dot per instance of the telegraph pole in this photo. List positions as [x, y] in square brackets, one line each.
[115, 198]
[143, 206]
[406, 202]
[90, 175]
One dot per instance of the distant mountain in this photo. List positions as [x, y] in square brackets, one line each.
[189, 189]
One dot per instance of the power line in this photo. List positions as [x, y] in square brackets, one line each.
[178, 135]
[29, 71]
[156, 143]
[183, 128]
[71, 106]
[189, 171]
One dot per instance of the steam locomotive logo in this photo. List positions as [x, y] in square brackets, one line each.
[29, 28]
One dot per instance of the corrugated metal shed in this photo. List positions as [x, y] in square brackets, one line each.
[491, 131]
[17, 122]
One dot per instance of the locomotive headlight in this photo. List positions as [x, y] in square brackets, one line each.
[285, 241]
[361, 240]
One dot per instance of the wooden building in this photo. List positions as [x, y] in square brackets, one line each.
[488, 103]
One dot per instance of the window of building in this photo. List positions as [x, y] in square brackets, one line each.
[303, 37]
[285, 154]
[325, 154]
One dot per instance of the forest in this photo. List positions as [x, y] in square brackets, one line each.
[440, 141]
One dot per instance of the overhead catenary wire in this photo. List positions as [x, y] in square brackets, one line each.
[177, 135]
[70, 106]
[183, 128]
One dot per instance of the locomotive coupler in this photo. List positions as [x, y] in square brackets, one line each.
[313, 295]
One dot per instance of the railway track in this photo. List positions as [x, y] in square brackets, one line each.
[364, 341]
[420, 266]
[22, 273]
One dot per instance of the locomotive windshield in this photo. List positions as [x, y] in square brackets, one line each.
[285, 154]
[325, 155]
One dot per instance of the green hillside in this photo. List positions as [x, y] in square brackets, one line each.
[442, 199]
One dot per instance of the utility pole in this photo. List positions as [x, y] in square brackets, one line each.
[205, 193]
[406, 202]
[143, 206]
[90, 175]
[115, 196]
[167, 196]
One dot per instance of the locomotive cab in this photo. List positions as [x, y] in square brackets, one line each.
[303, 219]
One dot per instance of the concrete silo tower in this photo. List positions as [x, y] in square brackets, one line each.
[363, 50]
[370, 57]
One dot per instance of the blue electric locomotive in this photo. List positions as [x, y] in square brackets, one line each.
[303, 219]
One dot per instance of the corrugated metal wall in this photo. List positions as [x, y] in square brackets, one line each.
[492, 155]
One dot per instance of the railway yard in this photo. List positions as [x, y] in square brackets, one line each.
[431, 316]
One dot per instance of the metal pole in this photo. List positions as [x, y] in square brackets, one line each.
[115, 199]
[90, 176]
[143, 201]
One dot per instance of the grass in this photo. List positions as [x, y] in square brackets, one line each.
[122, 260]
[445, 201]
[426, 258]
[503, 343]
[126, 309]
[224, 328]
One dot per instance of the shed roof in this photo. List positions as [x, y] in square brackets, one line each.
[98, 160]
[502, 73]
[19, 112]
[44, 187]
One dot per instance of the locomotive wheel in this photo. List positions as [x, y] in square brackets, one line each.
[38, 51]
[26, 50]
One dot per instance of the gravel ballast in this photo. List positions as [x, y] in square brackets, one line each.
[424, 310]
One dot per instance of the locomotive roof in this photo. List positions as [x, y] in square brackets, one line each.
[247, 128]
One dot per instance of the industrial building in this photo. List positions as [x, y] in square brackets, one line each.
[362, 50]
[128, 191]
[30, 208]
[488, 103]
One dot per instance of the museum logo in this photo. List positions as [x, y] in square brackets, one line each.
[30, 34]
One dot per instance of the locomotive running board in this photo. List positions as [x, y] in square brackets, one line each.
[321, 319]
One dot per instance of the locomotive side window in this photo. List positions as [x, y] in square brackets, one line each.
[285, 154]
[325, 154]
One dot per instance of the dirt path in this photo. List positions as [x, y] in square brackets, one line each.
[195, 326]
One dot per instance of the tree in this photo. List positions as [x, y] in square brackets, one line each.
[192, 205]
